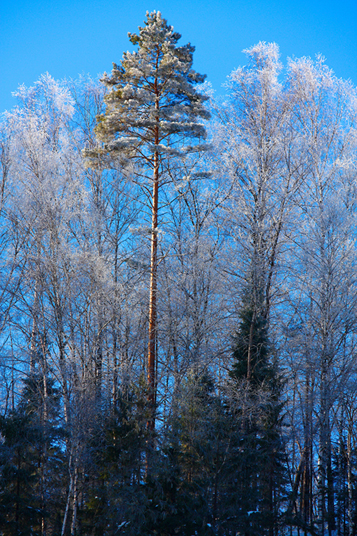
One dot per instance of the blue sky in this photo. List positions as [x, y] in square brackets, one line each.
[71, 37]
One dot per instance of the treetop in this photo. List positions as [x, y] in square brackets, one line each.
[156, 30]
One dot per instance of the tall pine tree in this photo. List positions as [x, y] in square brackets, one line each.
[153, 114]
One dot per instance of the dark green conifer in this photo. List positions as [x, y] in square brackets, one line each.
[117, 467]
[259, 463]
[31, 460]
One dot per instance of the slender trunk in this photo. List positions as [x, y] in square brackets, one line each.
[115, 328]
[323, 450]
[153, 301]
[349, 481]
[250, 345]
[152, 345]
[215, 498]
[70, 450]
[115, 368]
[98, 363]
[18, 486]
[307, 503]
[34, 332]
[299, 472]
[64, 523]
[339, 481]
[330, 489]
[321, 484]
[306, 490]
[44, 451]
[12, 375]
[75, 500]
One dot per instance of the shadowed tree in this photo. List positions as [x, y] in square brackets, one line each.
[31, 461]
[261, 453]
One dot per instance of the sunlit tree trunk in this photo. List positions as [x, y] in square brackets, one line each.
[152, 345]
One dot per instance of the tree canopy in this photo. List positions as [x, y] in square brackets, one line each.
[178, 299]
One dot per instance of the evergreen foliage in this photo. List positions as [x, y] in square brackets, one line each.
[152, 106]
[117, 468]
[261, 453]
[258, 439]
[31, 460]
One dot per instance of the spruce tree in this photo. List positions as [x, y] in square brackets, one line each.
[116, 495]
[251, 347]
[153, 114]
[31, 461]
[200, 441]
[260, 462]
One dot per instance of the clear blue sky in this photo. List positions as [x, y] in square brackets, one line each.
[70, 37]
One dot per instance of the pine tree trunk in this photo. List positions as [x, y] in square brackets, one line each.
[152, 357]
[153, 299]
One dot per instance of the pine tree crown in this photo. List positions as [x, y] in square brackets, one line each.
[152, 106]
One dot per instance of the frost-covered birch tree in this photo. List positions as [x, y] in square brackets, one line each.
[322, 275]
[260, 163]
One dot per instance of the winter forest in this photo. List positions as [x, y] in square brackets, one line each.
[178, 324]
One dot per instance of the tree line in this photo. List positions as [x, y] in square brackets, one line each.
[179, 299]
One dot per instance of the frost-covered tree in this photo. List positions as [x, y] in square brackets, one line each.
[153, 114]
[322, 282]
[260, 158]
